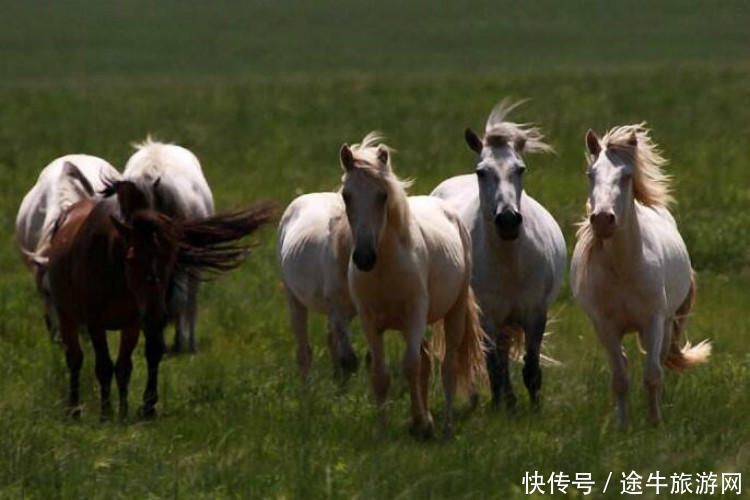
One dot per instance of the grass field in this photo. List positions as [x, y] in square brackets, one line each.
[265, 94]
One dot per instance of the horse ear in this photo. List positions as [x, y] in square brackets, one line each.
[130, 198]
[383, 154]
[473, 141]
[346, 157]
[123, 228]
[520, 144]
[70, 170]
[633, 140]
[592, 143]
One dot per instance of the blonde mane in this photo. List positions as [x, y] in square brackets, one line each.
[651, 186]
[366, 159]
[498, 128]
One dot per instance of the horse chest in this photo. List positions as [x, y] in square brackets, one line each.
[622, 300]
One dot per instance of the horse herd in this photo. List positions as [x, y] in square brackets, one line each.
[479, 260]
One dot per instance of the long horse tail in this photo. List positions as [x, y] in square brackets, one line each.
[470, 353]
[211, 243]
[473, 347]
[682, 358]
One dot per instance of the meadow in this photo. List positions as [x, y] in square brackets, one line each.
[265, 93]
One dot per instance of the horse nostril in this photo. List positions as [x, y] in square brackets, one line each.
[508, 219]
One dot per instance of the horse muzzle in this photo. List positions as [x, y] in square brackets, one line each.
[508, 224]
[603, 224]
[364, 259]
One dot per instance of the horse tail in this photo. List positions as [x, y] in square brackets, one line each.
[679, 358]
[210, 243]
[470, 355]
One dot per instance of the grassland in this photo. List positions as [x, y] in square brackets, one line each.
[265, 94]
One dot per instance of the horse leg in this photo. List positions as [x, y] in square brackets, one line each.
[178, 304]
[124, 366]
[298, 318]
[455, 329]
[532, 373]
[426, 374]
[344, 359]
[103, 368]
[498, 366]
[422, 425]
[612, 342]
[191, 310]
[378, 373]
[653, 336]
[74, 360]
[154, 352]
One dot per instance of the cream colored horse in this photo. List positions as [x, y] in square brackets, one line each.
[630, 269]
[410, 267]
[518, 249]
[314, 243]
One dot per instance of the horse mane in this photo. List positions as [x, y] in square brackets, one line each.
[365, 156]
[651, 186]
[498, 129]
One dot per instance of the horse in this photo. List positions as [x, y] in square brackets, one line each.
[314, 243]
[519, 251]
[172, 178]
[410, 266]
[630, 269]
[111, 267]
[62, 183]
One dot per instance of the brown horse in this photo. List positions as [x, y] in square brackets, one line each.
[111, 267]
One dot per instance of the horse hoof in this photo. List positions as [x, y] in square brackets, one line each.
[105, 416]
[349, 364]
[422, 430]
[74, 412]
[146, 412]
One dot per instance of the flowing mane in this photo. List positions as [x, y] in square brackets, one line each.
[498, 129]
[651, 186]
[366, 158]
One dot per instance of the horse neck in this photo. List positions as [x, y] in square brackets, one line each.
[625, 246]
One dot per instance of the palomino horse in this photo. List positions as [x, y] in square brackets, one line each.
[411, 267]
[630, 269]
[113, 274]
[61, 184]
[314, 243]
[172, 178]
[518, 249]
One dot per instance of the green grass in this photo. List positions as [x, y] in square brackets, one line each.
[264, 95]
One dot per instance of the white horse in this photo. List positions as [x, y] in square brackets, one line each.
[173, 179]
[518, 249]
[314, 243]
[630, 269]
[62, 183]
[410, 267]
